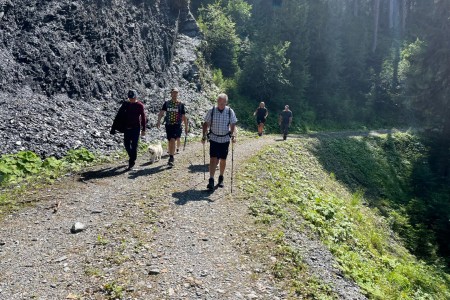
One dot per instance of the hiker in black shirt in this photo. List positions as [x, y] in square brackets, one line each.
[285, 120]
[175, 114]
[261, 114]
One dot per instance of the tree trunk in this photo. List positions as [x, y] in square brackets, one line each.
[391, 14]
[376, 14]
[404, 15]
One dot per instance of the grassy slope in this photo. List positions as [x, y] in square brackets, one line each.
[296, 185]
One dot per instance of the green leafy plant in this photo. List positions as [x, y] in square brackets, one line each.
[113, 290]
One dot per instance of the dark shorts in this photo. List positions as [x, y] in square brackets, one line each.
[173, 131]
[219, 150]
[259, 121]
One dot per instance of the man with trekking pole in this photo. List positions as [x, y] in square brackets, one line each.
[219, 128]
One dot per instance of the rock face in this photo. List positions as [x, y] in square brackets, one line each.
[67, 65]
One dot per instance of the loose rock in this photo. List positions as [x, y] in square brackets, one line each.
[77, 227]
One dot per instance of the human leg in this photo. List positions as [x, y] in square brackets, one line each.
[285, 130]
[222, 154]
[131, 141]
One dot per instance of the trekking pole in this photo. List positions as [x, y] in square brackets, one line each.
[204, 162]
[232, 165]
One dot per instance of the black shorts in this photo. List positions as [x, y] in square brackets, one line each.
[259, 121]
[219, 150]
[173, 131]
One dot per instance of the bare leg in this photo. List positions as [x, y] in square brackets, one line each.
[223, 164]
[172, 146]
[212, 166]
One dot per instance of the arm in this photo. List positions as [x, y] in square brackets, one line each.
[161, 114]
[290, 121]
[233, 132]
[267, 114]
[143, 120]
[205, 126]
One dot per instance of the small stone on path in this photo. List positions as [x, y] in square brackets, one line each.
[77, 227]
[154, 272]
[61, 259]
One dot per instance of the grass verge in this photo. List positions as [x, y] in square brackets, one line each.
[288, 183]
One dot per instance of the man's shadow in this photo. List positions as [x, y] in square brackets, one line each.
[146, 172]
[192, 195]
[198, 168]
[103, 173]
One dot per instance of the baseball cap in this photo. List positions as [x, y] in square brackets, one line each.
[132, 94]
[174, 90]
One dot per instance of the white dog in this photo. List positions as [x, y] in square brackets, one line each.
[155, 151]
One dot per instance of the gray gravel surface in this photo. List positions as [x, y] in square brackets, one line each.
[151, 233]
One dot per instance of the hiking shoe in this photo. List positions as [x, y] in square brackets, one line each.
[171, 161]
[220, 181]
[131, 165]
[210, 185]
[284, 137]
[178, 151]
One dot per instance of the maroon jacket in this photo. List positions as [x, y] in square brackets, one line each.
[130, 115]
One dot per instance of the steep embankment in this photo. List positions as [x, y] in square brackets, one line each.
[66, 65]
[328, 184]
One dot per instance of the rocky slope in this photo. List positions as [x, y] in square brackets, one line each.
[66, 66]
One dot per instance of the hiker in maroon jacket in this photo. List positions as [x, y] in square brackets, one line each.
[131, 121]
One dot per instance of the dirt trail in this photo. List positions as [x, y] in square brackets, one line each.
[152, 233]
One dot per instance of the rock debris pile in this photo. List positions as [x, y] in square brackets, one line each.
[67, 65]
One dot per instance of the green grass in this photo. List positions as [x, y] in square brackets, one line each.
[288, 181]
[394, 173]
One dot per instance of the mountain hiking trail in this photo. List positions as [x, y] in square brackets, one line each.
[151, 233]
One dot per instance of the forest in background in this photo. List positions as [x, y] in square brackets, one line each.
[347, 64]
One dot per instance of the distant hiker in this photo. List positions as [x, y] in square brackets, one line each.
[175, 114]
[130, 120]
[221, 122]
[285, 121]
[261, 114]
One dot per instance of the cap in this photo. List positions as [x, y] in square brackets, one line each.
[174, 90]
[132, 94]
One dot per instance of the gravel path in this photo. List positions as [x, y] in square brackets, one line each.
[152, 233]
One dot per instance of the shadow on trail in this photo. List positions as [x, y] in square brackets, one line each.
[147, 172]
[198, 168]
[103, 173]
[192, 195]
[149, 163]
